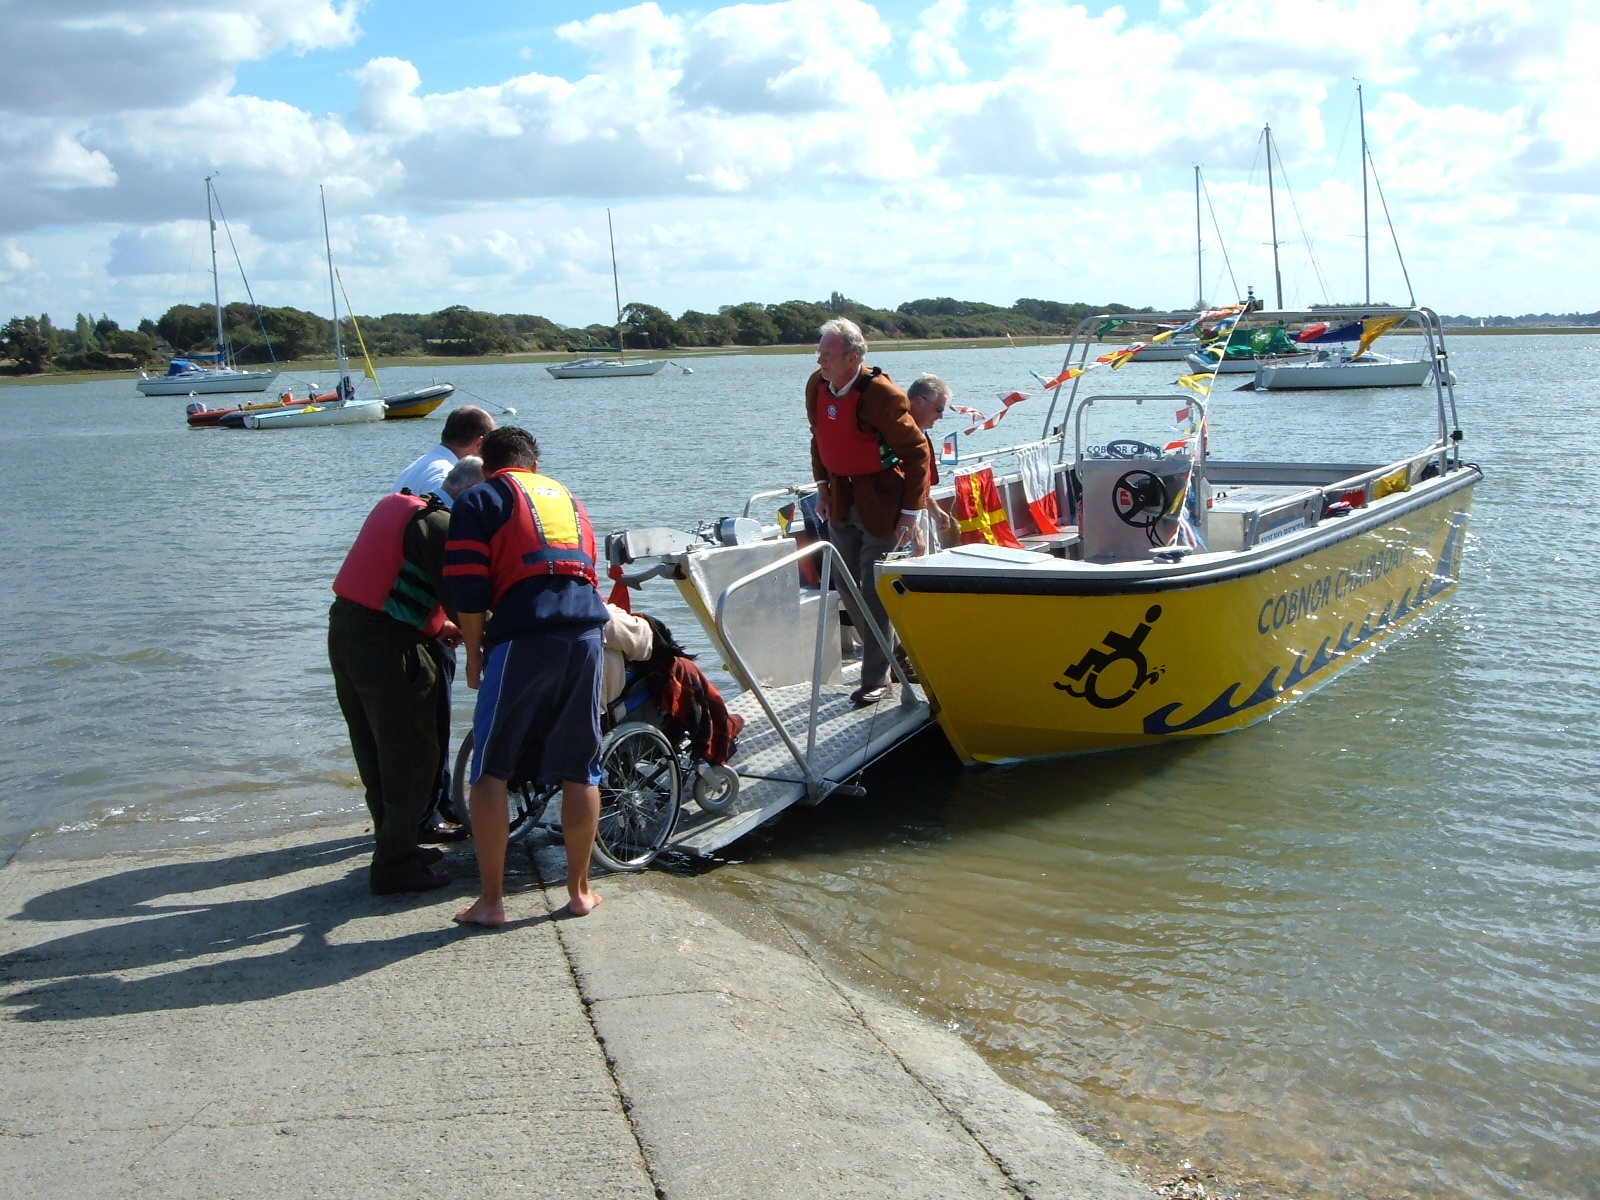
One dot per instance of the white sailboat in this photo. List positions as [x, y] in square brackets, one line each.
[189, 375]
[600, 368]
[343, 408]
[1347, 368]
[1229, 356]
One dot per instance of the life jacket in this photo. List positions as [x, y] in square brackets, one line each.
[376, 574]
[846, 448]
[547, 534]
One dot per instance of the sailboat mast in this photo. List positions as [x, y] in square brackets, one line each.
[1272, 210]
[1199, 253]
[216, 286]
[616, 288]
[1366, 229]
[333, 292]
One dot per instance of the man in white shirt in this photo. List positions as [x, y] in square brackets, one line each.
[464, 431]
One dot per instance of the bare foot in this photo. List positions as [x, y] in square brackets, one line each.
[582, 906]
[490, 915]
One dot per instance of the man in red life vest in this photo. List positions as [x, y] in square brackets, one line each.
[521, 548]
[390, 598]
[870, 462]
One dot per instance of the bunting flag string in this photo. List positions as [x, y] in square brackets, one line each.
[981, 420]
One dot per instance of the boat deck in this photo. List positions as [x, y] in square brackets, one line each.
[770, 781]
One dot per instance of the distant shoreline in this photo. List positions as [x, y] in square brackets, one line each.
[326, 365]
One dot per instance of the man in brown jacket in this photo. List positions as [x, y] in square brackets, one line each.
[870, 461]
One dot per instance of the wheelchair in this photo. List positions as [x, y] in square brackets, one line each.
[642, 780]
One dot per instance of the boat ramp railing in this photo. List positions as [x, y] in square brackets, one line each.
[830, 571]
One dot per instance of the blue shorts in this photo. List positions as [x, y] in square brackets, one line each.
[538, 715]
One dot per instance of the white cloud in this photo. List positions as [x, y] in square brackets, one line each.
[794, 57]
[932, 45]
[13, 260]
[773, 147]
[80, 57]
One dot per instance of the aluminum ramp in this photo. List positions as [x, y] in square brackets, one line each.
[848, 739]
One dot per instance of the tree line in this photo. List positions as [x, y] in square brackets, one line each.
[31, 345]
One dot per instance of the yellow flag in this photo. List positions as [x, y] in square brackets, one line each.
[1198, 382]
[1372, 330]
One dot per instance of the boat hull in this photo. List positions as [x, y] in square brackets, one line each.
[207, 383]
[416, 403]
[604, 370]
[312, 415]
[1201, 363]
[1277, 377]
[1075, 658]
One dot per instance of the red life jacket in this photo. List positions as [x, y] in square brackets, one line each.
[548, 533]
[845, 447]
[376, 575]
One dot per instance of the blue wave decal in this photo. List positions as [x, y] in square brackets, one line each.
[1446, 570]
[1350, 640]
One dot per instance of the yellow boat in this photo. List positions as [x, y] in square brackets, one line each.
[1188, 596]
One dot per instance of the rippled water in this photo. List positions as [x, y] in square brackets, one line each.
[1353, 951]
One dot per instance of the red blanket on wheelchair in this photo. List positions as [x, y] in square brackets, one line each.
[691, 707]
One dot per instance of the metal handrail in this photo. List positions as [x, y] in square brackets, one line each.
[814, 782]
[1364, 481]
[796, 491]
[1426, 320]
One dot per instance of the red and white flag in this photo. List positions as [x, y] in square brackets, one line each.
[1038, 488]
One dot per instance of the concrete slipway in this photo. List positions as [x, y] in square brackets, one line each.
[247, 1021]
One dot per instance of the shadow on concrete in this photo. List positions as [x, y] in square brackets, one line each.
[185, 947]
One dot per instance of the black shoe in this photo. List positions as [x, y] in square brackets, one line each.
[418, 879]
[428, 855]
[434, 832]
[865, 697]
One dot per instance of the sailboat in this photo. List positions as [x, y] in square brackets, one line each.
[418, 402]
[600, 368]
[1360, 367]
[1238, 355]
[339, 407]
[205, 374]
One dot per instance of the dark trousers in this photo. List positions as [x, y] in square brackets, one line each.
[860, 552]
[388, 688]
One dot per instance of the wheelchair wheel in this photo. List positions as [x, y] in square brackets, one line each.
[520, 802]
[639, 797]
[715, 788]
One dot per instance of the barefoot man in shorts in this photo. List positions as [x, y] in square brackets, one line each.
[521, 548]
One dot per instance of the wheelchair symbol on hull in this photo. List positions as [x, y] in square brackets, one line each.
[1119, 648]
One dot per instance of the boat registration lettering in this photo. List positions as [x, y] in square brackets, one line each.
[1288, 607]
[1371, 569]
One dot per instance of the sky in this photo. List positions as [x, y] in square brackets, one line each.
[889, 150]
